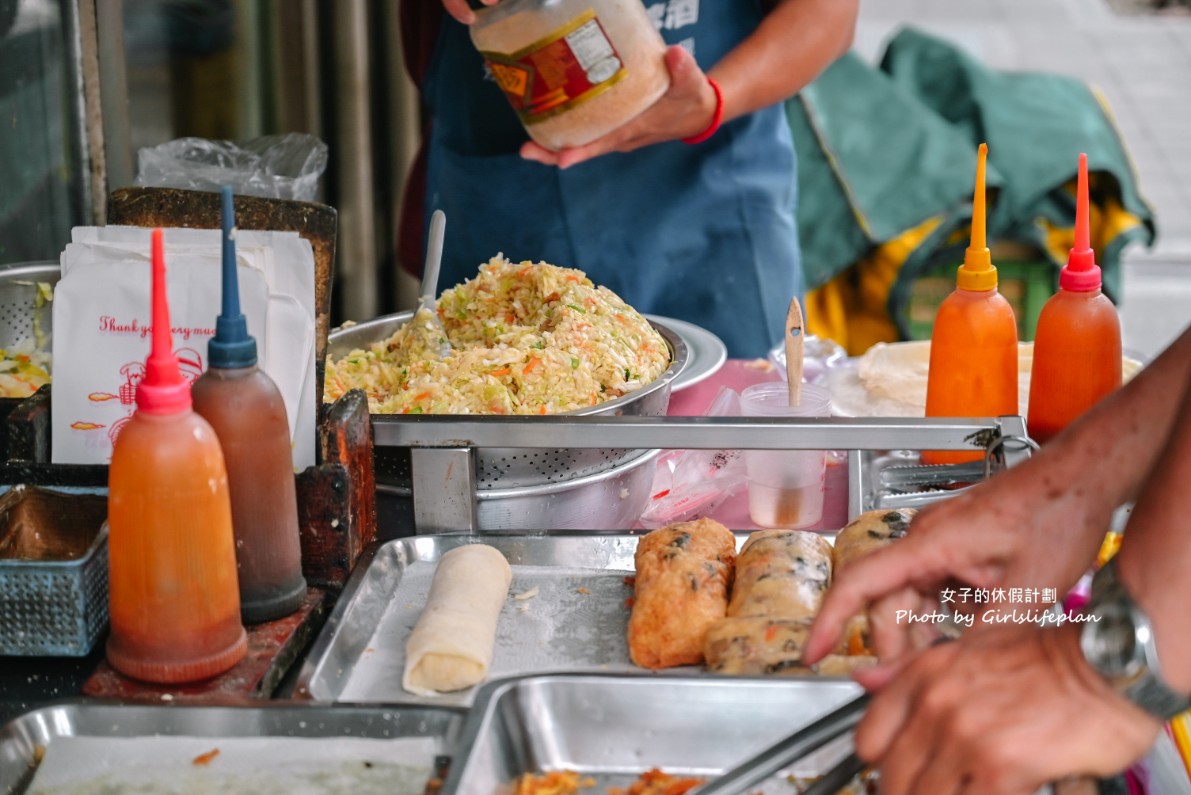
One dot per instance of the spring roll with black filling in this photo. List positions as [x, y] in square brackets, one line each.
[683, 575]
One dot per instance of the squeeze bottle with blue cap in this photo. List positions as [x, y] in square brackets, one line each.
[175, 604]
[973, 344]
[246, 409]
[1077, 348]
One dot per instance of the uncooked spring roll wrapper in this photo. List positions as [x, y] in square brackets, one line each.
[683, 575]
[781, 574]
[867, 533]
[451, 645]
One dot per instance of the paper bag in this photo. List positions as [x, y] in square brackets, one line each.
[103, 322]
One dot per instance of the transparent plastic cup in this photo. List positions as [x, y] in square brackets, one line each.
[785, 486]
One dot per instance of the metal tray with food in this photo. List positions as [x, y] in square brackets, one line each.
[611, 729]
[566, 611]
[92, 748]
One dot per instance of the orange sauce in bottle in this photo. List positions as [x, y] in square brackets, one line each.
[1077, 348]
[973, 344]
[173, 597]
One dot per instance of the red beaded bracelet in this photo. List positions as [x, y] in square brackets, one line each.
[716, 117]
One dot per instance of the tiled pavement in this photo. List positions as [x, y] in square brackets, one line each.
[1142, 64]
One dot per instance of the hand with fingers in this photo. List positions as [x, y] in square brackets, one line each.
[1037, 525]
[737, 270]
[688, 108]
[1011, 706]
[1019, 529]
[1002, 711]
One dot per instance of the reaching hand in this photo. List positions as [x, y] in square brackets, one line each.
[1022, 528]
[684, 110]
[1001, 711]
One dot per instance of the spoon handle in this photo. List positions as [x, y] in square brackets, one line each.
[438, 224]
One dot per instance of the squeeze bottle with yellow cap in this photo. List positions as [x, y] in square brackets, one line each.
[1077, 348]
[973, 345]
[173, 595]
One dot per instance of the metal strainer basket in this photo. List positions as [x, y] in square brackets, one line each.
[53, 572]
[519, 468]
[20, 317]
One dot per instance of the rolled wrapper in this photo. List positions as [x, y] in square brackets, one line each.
[781, 574]
[451, 645]
[756, 646]
[683, 574]
[866, 534]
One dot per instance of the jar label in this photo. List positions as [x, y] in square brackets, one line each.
[564, 69]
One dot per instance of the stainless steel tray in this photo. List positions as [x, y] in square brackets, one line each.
[92, 747]
[613, 727]
[577, 621]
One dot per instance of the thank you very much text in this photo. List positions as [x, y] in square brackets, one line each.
[113, 325]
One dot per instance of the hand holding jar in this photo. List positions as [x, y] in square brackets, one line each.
[576, 70]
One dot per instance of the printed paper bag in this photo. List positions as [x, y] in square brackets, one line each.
[102, 328]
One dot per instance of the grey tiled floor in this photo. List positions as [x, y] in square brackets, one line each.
[1142, 64]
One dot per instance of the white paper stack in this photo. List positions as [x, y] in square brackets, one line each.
[102, 324]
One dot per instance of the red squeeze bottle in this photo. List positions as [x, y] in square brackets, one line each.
[174, 601]
[247, 411]
[973, 345]
[1077, 348]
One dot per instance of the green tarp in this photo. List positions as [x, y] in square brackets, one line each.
[884, 149]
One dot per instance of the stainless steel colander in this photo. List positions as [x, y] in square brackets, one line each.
[18, 301]
[517, 468]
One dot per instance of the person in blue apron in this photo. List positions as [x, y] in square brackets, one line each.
[702, 232]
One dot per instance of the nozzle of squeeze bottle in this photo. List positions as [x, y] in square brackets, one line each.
[163, 389]
[978, 273]
[232, 346]
[1081, 274]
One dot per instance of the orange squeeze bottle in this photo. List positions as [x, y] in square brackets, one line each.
[973, 344]
[174, 601]
[1077, 348]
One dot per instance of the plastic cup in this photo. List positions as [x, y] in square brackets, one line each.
[785, 486]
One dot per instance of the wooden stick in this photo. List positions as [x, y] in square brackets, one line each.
[794, 337]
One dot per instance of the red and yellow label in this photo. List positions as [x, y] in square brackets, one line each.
[568, 67]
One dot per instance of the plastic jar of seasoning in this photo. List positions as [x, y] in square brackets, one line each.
[573, 70]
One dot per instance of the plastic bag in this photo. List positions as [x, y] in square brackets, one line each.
[690, 484]
[275, 166]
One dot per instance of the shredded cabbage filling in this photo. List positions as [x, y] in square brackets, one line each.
[525, 338]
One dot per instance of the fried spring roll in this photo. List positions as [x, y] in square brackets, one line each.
[755, 646]
[781, 574]
[683, 575]
[781, 577]
[866, 534]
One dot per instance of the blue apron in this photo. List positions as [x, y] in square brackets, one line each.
[703, 233]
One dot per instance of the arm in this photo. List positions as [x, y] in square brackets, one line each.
[795, 42]
[1036, 525]
[1154, 563]
[1020, 703]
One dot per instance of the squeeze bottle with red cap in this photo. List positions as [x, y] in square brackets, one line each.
[174, 602]
[973, 345]
[1077, 348]
[246, 409]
